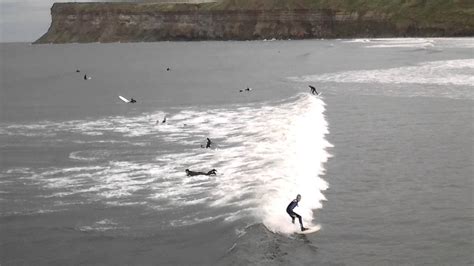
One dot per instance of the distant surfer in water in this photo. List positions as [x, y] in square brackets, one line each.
[293, 214]
[163, 121]
[208, 144]
[313, 90]
[85, 77]
[193, 173]
[132, 100]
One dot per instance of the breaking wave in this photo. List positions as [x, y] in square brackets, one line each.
[265, 154]
[450, 72]
[423, 43]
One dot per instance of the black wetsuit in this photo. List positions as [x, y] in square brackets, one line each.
[193, 173]
[293, 214]
[208, 145]
[212, 172]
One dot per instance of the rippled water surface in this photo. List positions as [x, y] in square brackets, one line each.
[383, 159]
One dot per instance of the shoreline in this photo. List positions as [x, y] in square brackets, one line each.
[254, 40]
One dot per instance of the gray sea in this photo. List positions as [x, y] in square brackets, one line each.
[383, 158]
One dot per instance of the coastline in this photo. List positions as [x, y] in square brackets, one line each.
[138, 22]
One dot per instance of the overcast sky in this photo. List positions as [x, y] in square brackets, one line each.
[26, 20]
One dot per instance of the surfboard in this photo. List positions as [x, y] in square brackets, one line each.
[124, 99]
[309, 230]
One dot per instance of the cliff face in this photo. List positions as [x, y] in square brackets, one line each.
[114, 22]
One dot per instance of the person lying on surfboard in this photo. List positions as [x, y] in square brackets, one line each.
[293, 214]
[193, 173]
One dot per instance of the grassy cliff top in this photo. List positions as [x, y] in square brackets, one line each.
[343, 5]
[354, 5]
[459, 12]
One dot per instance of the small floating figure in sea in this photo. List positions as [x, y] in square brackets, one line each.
[193, 173]
[162, 121]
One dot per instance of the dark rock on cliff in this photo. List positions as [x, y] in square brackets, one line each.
[130, 22]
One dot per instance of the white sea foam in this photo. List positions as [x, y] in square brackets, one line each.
[101, 226]
[126, 203]
[357, 41]
[414, 42]
[82, 156]
[401, 43]
[194, 220]
[20, 170]
[449, 72]
[281, 154]
[267, 153]
[29, 212]
[125, 126]
[436, 44]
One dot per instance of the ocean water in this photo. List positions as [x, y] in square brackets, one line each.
[383, 159]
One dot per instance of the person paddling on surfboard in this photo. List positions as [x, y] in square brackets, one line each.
[193, 173]
[293, 214]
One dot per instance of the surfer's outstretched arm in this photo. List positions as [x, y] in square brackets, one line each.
[212, 172]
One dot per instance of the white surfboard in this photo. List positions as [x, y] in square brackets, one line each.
[310, 230]
[124, 99]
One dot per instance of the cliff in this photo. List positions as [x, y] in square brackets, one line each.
[264, 19]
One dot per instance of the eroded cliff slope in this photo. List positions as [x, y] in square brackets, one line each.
[229, 20]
